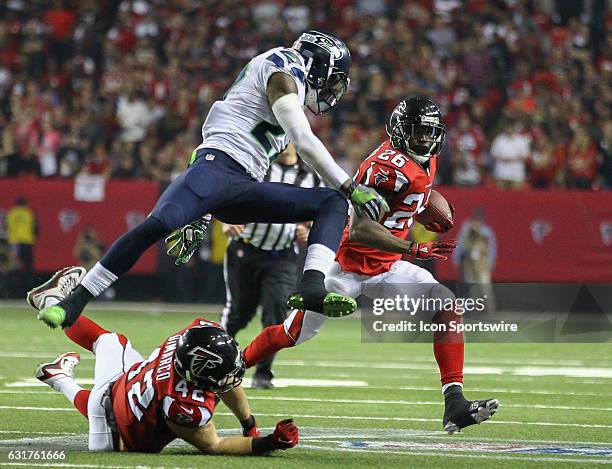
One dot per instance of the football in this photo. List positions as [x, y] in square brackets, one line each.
[437, 211]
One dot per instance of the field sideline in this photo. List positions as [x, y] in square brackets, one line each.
[356, 404]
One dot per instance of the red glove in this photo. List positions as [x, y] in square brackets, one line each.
[433, 250]
[442, 227]
[249, 427]
[286, 434]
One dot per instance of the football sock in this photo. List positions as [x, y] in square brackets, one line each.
[80, 401]
[312, 289]
[449, 350]
[84, 332]
[319, 258]
[98, 279]
[267, 343]
[68, 387]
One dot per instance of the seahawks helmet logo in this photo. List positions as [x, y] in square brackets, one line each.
[325, 42]
[203, 359]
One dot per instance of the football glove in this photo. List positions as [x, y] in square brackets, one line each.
[442, 227]
[367, 200]
[249, 427]
[433, 250]
[286, 435]
[183, 243]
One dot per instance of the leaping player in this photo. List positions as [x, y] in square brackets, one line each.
[369, 261]
[142, 405]
[260, 114]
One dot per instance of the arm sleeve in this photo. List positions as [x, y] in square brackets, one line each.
[292, 119]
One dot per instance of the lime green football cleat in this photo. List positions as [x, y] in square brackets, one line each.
[334, 305]
[52, 316]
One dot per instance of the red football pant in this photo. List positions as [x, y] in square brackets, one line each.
[80, 401]
[84, 332]
[271, 340]
[449, 349]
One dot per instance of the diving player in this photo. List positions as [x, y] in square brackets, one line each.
[143, 405]
[260, 114]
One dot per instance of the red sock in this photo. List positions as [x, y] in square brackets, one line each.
[448, 349]
[271, 340]
[80, 401]
[84, 332]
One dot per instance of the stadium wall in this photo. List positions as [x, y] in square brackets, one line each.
[542, 236]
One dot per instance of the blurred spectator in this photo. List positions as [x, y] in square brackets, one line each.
[581, 160]
[70, 155]
[88, 248]
[22, 230]
[99, 163]
[544, 171]
[146, 72]
[467, 142]
[605, 147]
[133, 115]
[475, 255]
[510, 150]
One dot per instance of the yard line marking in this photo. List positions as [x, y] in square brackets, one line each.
[538, 365]
[19, 432]
[356, 401]
[325, 434]
[349, 417]
[52, 464]
[404, 402]
[501, 390]
[466, 455]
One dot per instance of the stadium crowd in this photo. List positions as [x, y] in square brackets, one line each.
[121, 88]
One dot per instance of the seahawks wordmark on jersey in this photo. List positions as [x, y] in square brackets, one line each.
[243, 124]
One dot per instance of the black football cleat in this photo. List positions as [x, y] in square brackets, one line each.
[460, 413]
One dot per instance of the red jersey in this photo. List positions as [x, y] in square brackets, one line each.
[151, 393]
[407, 186]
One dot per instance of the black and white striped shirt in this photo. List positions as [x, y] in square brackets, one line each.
[279, 236]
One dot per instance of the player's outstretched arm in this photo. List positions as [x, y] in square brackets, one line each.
[205, 438]
[364, 230]
[282, 96]
[235, 399]
[208, 442]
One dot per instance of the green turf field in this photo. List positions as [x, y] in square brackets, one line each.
[371, 404]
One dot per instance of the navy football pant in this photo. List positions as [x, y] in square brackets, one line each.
[217, 184]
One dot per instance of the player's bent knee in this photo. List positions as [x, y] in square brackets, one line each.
[336, 203]
[104, 341]
[170, 215]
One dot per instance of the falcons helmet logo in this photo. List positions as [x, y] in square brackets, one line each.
[203, 359]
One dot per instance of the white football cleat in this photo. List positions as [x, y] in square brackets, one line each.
[60, 368]
[58, 286]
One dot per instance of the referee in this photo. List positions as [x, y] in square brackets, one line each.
[260, 265]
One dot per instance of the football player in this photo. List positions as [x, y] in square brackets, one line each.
[369, 261]
[142, 405]
[259, 115]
